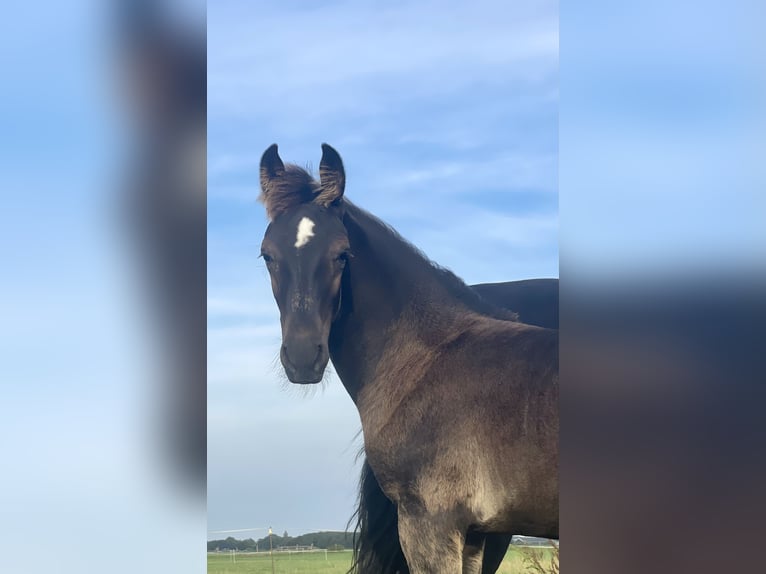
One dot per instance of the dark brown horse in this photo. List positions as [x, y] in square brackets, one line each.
[458, 401]
[376, 536]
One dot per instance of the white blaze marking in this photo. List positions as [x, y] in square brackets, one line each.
[305, 232]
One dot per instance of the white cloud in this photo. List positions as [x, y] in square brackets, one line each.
[505, 171]
[240, 307]
[353, 58]
[247, 194]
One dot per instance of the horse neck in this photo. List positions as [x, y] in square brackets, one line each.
[388, 289]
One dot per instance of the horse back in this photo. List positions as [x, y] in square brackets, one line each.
[535, 300]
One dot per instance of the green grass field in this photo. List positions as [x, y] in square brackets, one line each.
[317, 562]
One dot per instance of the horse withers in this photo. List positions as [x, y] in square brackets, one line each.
[458, 401]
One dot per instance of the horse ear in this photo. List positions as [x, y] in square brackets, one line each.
[272, 169]
[332, 177]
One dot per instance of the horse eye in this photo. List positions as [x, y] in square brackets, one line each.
[267, 258]
[342, 258]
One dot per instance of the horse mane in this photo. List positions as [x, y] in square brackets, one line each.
[452, 284]
[297, 186]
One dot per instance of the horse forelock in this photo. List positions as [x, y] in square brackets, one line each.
[292, 188]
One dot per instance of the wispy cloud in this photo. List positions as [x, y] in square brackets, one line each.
[241, 307]
[503, 172]
[267, 58]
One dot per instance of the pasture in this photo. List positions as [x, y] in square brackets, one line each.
[332, 563]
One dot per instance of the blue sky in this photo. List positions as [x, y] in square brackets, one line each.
[446, 115]
[662, 122]
[75, 348]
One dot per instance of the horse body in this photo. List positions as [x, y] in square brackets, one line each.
[470, 454]
[432, 432]
[376, 543]
[458, 403]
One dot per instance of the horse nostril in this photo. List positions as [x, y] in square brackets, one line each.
[285, 356]
[320, 352]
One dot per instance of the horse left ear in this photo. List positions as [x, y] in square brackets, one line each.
[332, 177]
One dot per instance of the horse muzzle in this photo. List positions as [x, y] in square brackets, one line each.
[304, 360]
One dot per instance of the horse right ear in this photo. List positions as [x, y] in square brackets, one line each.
[272, 171]
[272, 168]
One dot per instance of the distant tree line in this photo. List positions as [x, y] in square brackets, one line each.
[323, 540]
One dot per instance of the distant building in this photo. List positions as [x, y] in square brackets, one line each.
[295, 548]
